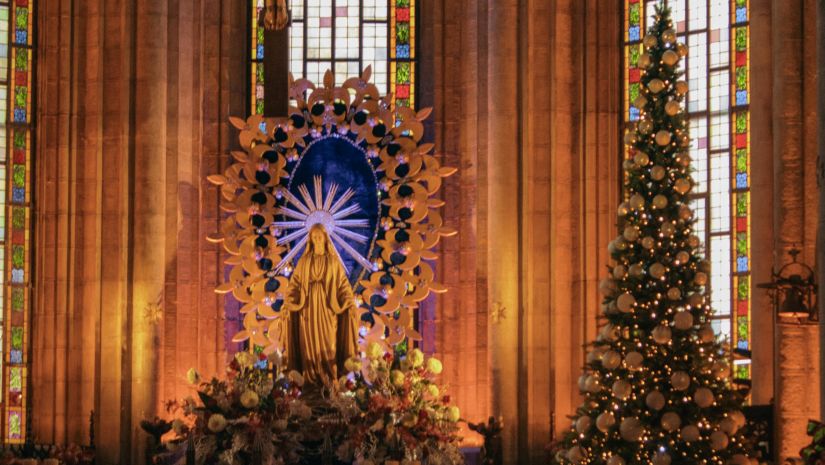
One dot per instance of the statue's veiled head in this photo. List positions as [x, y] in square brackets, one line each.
[319, 242]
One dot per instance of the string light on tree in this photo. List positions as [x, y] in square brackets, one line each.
[656, 386]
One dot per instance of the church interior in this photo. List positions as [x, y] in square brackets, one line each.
[405, 232]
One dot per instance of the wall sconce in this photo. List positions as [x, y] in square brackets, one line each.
[793, 291]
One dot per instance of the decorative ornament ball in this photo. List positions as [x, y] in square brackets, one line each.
[631, 233]
[611, 247]
[674, 293]
[739, 459]
[624, 209]
[659, 201]
[693, 241]
[628, 165]
[679, 380]
[656, 270]
[591, 384]
[668, 229]
[683, 159]
[681, 87]
[683, 320]
[690, 433]
[644, 61]
[681, 49]
[661, 334]
[637, 202]
[631, 429]
[661, 458]
[634, 360]
[650, 41]
[682, 186]
[696, 300]
[706, 334]
[625, 302]
[655, 400]
[682, 257]
[703, 397]
[630, 137]
[669, 36]
[721, 370]
[657, 173]
[615, 460]
[593, 356]
[704, 266]
[636, 270]
[728, 426]
[607, 287]
[738, 417]
[582, 380]
[641, 158]
[718, 440]
[583, 424]
[656, 85]
[645, 126]
[671, 421]
[611, 360]
[685, 212]
[648, 242]
[672, 108]
[640, 101]
[609, 332]
[621, 389]
[621, 244]
[663, 137]
[575, 454]
[670, 57]
[700, 279]
[619, 272]
[605, 421]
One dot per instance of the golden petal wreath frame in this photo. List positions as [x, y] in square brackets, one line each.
[255, 196]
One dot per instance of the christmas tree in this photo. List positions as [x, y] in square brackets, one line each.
[656, 383]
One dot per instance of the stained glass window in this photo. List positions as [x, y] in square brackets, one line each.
[345, 36]
[716, 33]
[16, 23]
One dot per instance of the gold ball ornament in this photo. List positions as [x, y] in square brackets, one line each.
[680, 380]
[681, 87]
[694, 241]
[739, 459]
[657, 173]
[719, 440]
[683, 320]
[704, 266]
[648, 242]
[671, 421]
[615, 460]
[700, 279]
[624, 209]
[630, 136]
[641, 158]
[682, 185]
[696, 300]
[628, 165]
[672, 108]
[669, 36]
[650, 41]
[738, 417]
[663, 137]
[682, 257]
[625, 302]
[591, 384]
[690, 433]
[631, 429]
[621, 244]
[655, 400]
[685, 213]
[661, 458]
[575, 454]
[659, 201]
[668, 229]
[619, 271]
[644, 61]
[631, 233]
[621, 389]
[593, 356]
[605, 421]
[607, 287]
[703, 397]
[640, 101]
[645, 126]
[656, 85]
[583, 424]
[582, 380]
[661, 334]
[656, 270]
[609, 332]
[706, 334]
[683, 159]
[674, 293]
[721, 369]
[634, 361]
[682, 49]
[611, 360]
[637, 202]
[670, 58]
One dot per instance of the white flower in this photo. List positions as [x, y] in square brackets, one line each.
[250, 399]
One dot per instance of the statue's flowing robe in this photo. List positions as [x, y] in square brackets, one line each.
[323, 331]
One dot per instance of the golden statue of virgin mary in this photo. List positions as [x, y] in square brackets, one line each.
[323, 326]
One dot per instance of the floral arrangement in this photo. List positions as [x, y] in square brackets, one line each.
[252, 416]
[396, 411]
[814, 453]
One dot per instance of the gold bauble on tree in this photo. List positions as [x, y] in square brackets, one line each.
[661, 458]
[634, 361]
[644, 61]
[696, 299]
[674, 293]
[624, 209]
[625, 302]
[648, 242]
[668, 229]
[656, 270]
[583, 424]
[575, 454]
[719, 440]
[607, 287]
[630, 137]
[621, 389]
[690, 433]
[635, 270]
[703, 397]
[680, 380]
[661, 334]
[706, 334]
[640, 101]
[659, 201]
[656, 85]
[685, 213]
[628, 165]
[670, 58]
[641, 158]
[645, 126]
[663, 137]
[655, 400]
[650, 41]
[683, 159]
[681, 87]
[671, 421]
[637, 202]
[611, 360]
[682, 186]
[681, 49]
[631, 233]
[605, 421]
[700, 279]
[669, 36]
[619, 271]
[615, 460]
[631, 429]
[657, 173]
[672, 108]
[683, 320]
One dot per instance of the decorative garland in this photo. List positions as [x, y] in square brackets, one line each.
[267, 223]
